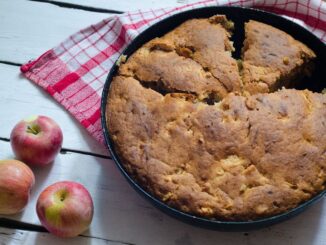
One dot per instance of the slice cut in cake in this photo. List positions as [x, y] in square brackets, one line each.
[194, 58]
[272, 59]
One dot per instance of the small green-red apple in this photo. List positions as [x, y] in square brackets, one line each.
[36, 140]
[16, 182]
[65, 209]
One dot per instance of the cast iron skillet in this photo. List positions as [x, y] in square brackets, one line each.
[239, 16]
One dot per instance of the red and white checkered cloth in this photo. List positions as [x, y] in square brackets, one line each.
[75, 71]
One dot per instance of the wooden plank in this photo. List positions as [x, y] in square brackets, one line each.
[122, 215]
[28, 29]
[18, 237]
[126, 5]
[20, 98]
[36, 26]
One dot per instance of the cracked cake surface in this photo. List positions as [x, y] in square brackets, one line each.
[272, 59]
[241, 157]
[185, 60]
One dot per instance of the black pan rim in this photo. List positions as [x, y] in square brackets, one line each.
[196, 220]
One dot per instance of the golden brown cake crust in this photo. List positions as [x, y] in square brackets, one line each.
[244, 158]
[272, 58]
[240, 159]
[183, 60]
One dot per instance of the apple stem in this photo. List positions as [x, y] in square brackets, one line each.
[33, 130]
[63, 196]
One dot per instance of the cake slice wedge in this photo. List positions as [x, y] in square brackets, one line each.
[193, 58]
[273, 59]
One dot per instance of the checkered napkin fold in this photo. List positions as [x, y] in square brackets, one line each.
[74, 72]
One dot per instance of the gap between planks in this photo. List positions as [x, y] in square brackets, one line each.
[15, 225]
[81, 7]
[68, 150]
[122, 6]
[10, 63]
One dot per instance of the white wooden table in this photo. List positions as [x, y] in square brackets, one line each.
[29, 28]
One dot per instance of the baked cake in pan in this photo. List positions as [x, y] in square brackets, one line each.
[213, 139]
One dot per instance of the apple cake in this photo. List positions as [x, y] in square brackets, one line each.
[215, 139]
[272, 59]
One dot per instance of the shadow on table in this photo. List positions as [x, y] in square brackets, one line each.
[41, 174]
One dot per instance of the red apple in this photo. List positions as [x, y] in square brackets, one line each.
[65, 209]
[16, 182]
[36, 140]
